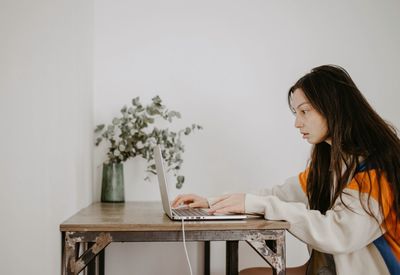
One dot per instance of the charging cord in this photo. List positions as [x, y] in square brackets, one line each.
[184, 245]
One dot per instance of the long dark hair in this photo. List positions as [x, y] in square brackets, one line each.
[357, 132]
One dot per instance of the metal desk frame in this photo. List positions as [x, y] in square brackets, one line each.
[86, 234]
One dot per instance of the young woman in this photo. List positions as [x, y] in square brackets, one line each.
[346, 204]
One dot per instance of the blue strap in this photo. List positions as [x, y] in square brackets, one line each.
[387, 254]
[361, 167]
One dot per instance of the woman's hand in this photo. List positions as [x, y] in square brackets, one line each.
[190, 200]
[232, 203]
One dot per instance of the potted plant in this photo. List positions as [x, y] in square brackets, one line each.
[134, 134]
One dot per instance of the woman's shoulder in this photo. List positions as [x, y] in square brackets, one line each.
[367, 177]
[373, 184]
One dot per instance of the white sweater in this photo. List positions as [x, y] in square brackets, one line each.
[346, 234]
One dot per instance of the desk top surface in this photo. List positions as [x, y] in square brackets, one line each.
[149, 216]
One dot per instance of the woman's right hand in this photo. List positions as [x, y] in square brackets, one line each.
[190, 200]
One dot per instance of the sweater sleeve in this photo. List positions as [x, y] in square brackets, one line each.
[340, 230]
[289, 191]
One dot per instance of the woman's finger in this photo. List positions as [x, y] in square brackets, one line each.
[189, 199]
[176, 200]
[182, 199]
[199, 204]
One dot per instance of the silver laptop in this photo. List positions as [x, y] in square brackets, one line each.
[186, 213]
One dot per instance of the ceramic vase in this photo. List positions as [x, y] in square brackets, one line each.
[112, 184]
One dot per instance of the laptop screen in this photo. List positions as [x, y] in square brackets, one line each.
[162, 180]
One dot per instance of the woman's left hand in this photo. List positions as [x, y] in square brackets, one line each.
[232, 203]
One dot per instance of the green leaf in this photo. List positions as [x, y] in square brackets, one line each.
[110, 128]
[156, 100]
[149, 120]
[123, 110]
[135, 101]
[180, 181]
[152, 111]
[152, 172]
[116, 121]
[172, 114]
[99, 128]
[98, 140]
[139, 108]
[187, 131]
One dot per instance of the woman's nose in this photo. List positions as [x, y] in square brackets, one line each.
[298, 123]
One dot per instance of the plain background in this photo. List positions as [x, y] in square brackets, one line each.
[68, 65]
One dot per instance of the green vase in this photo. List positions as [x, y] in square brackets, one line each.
[112, 184]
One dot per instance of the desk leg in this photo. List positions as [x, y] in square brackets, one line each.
[101, 258]
[207, 258]
[96, 266]
[63, 253]
[73, 264]
[232, 256]
[92, 265]
[272, 249]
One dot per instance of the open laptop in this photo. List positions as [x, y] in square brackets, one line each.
[186, 213]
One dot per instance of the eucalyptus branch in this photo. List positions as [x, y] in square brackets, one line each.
[131, 135]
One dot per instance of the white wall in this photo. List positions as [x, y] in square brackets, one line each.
[46, 128]
[224, 64]
[227, 65]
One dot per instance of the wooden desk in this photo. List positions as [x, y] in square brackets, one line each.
[99, 224]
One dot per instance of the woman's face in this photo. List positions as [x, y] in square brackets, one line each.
[312, 125]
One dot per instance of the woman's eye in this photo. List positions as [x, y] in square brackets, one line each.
[304, 111]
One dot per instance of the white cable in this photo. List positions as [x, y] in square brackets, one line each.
[184, 245]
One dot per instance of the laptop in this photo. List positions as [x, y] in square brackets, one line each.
[186, 213]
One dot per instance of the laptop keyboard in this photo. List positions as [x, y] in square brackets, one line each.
[194, 212]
